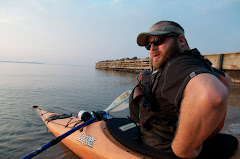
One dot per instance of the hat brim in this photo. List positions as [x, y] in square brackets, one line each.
[143, 37]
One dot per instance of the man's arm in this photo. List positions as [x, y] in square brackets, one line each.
[202, 109]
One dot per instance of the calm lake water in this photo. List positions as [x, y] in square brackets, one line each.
[63, 89]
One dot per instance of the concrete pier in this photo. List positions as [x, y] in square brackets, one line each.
[228, 62]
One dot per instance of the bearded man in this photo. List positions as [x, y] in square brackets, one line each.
[185, 99]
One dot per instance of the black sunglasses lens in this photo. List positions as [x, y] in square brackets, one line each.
[155, 42]
[148, 46]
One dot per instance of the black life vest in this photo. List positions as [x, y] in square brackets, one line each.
[141, 109]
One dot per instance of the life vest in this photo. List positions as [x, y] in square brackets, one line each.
[140, 99]
[141, 108]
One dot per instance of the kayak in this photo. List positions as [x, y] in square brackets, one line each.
[92, 141]
[100, 140]
[106, 139]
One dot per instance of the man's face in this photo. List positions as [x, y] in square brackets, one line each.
[161, 54]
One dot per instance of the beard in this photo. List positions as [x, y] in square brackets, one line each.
[172, 52]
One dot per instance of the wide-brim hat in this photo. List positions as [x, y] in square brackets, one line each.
[155, 30]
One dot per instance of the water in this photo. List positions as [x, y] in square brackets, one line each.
[63, 89]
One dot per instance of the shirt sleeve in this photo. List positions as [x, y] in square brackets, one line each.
[177, 73]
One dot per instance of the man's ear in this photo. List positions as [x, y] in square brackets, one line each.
[182, 41]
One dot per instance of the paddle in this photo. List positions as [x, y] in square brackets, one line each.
[118, 104]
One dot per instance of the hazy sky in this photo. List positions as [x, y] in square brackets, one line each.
[84, 32]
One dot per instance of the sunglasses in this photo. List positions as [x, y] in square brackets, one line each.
[159, 40]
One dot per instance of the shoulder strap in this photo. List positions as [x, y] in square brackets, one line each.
[145, 83]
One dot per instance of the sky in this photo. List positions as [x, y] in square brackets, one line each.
[83, 32]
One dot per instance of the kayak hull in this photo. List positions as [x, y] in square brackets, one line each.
[93, 141]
